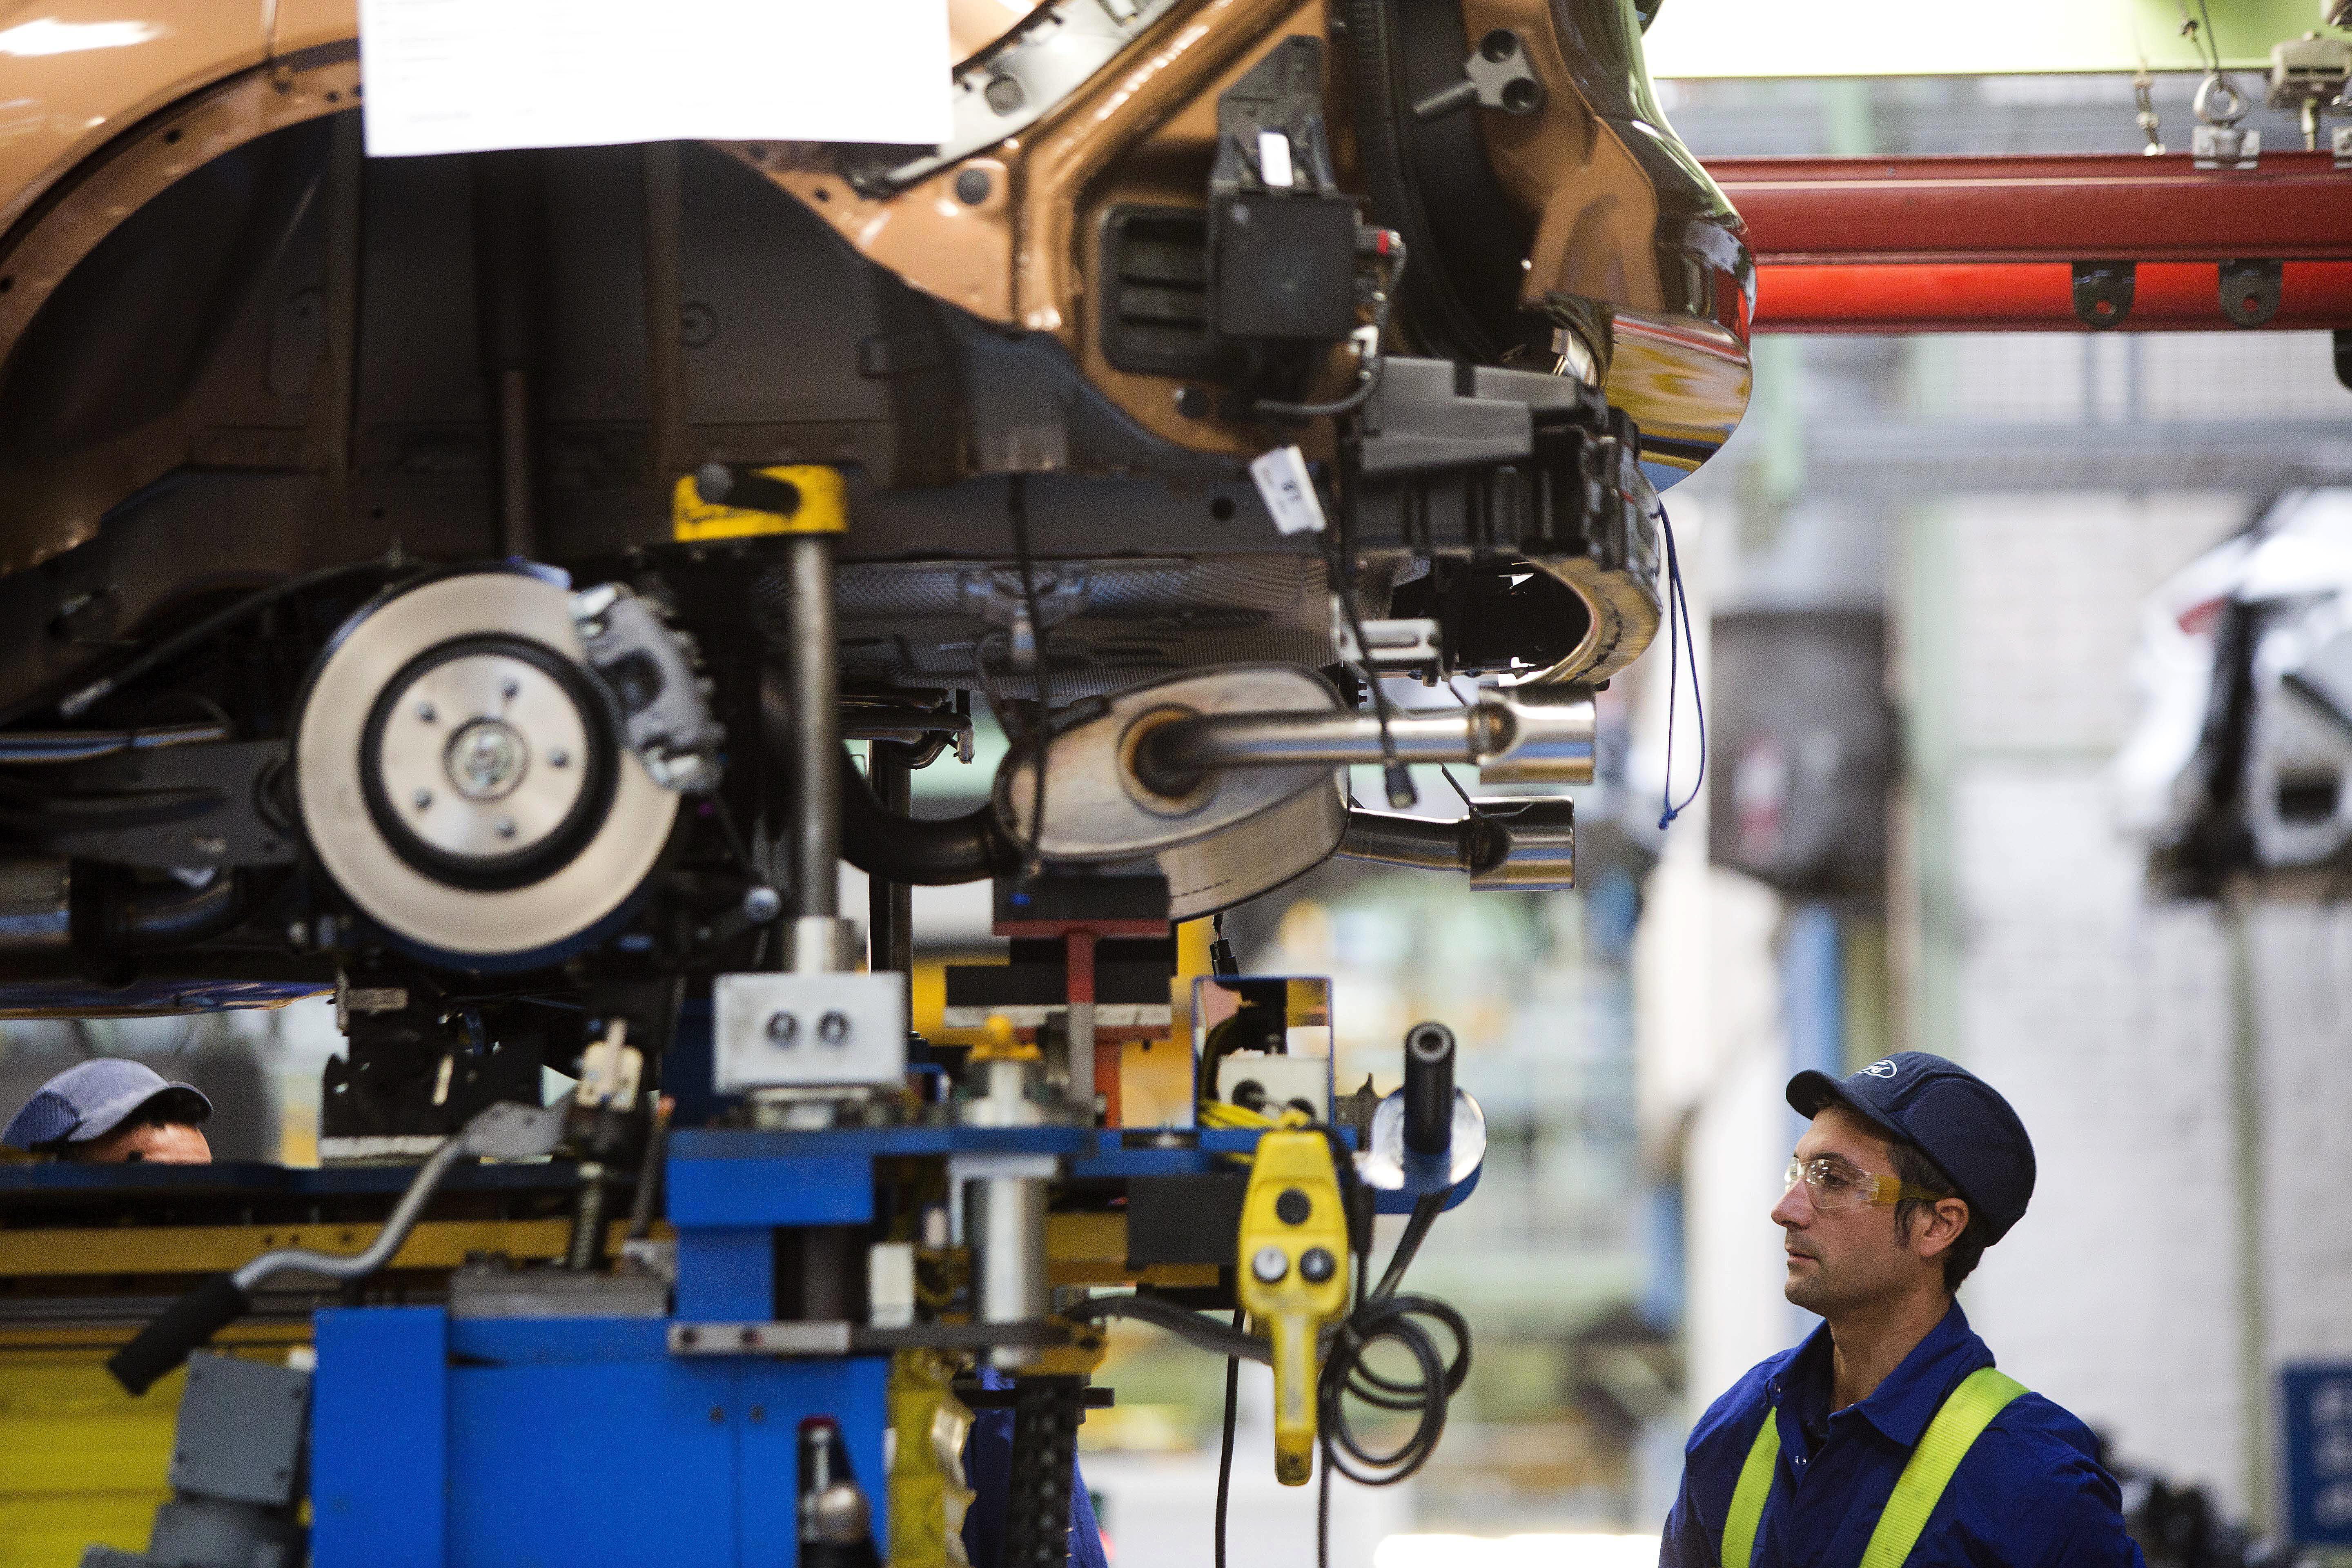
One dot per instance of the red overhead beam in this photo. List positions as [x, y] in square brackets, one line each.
[1988, 243]
[2027, 297]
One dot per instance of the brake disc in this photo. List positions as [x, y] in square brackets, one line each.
[461, 775]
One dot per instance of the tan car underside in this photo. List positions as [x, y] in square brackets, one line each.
[114, 126]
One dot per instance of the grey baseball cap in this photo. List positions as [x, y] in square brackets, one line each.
[94, 1099]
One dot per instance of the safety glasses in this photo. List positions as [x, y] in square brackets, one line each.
[1833, 1186]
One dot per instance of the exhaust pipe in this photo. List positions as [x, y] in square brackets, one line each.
[1506, 846]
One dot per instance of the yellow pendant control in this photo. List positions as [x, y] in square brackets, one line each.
[1293, 1274]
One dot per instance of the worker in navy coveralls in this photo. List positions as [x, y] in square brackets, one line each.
[1887, 1438]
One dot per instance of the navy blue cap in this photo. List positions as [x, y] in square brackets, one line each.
[94, 1098]
[1945, 1113]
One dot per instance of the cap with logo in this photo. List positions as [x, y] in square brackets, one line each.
[91, 1100]
[1948, 1114]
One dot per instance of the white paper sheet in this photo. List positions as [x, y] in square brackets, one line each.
[474, 76]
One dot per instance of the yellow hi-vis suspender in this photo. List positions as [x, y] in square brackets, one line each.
[1970, 1408]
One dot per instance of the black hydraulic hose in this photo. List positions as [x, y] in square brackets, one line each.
[79, 701]
[926, 852]
[1206, 1333]
[1226, 1450]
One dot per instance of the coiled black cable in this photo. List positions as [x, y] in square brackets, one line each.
[1384, 1315]
[1345, 1373]
[1380, 1314]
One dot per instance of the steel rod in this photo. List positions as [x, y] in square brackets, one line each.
[511, 260]
[665, 346]
[816, 726]
[889, 906]
[379, 1252]
[1214, 741]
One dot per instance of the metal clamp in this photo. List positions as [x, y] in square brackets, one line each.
[718, 502]
[649, 669]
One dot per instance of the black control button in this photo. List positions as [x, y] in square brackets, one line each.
[1292, 1206]
[1317, 1265]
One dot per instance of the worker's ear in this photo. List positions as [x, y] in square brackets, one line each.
[1934, 1230]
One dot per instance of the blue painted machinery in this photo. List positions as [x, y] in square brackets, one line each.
[787, 1375]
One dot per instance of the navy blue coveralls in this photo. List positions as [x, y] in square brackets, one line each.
[2029, 1492]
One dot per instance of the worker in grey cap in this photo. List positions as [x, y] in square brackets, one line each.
[109, 1111]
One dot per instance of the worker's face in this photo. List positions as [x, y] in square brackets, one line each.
[170, 1144]
[1851, 1257]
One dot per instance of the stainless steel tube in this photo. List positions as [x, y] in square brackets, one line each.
[1418, 841]
[1507, 846]
[1515, 735]
[817, 728]
[1213, 742]
[1006, 1228]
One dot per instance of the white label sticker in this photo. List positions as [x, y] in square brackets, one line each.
[443, 76]
[1274, 159]
[1288, 490]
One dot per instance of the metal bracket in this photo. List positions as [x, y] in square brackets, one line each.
[808, 1030]
[211, 808]
[1010, 87]
[1388, 1166]
[2226, 147]
[1495, 76]
[2103, 292]
[2250, 290]
[829, 1338]
[1399, 646]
